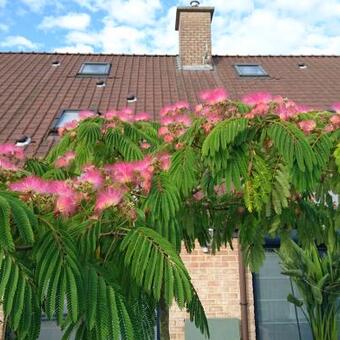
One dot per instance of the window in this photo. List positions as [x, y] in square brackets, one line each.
[66, 117]
[95, 69]
[276, 318]
[250, 70]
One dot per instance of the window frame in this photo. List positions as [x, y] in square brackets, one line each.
[239, 72]
[89, 74]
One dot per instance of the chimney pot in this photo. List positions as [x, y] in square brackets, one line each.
[194, 3]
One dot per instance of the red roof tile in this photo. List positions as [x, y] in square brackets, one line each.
[33, 92]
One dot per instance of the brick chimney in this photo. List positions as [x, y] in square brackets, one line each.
[194, 25]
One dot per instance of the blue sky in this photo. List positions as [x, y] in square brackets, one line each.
[147, 26]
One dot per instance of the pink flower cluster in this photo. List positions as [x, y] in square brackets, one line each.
[174, 122]
[214, 96]
[334, 121]
[138, 174]
[263, 103]
[307, 126]
[127, 115]
[91, 175]
[65, 160]
[66, 198]
[10, 152]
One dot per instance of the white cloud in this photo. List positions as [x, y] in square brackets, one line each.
[71, 21]
[77, 48]
[239, 27]
[35, 5]
[262, 32]
[126, 12]
[18, 42]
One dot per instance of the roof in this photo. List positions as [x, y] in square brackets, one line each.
[33, 93]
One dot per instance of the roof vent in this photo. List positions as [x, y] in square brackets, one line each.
[56, 63]
[194, 3]
[302, 66]
[23, 141]
[100, 83]
[131, 98]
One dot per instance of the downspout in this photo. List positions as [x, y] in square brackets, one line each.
[243, 296]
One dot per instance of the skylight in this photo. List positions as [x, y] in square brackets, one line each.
[66, 117]
[91, 68]
[250, 70]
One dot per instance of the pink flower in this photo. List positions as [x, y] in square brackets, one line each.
[336, 107]
[329, 128]
[163, 130]
[214, 96]
[59, 188]
[335, 120]
[259, 109]
[183, 119]
[145, 145]
[287, 109]
[92, 176]
[7, 165]
[257, 97]
[142, 116]
[122, 172]
[85, 114]
[12, 150]
[307, 125]
[125, 116]
[31, 183]
[67, 204]
[167, 120]
[181, 105]
[111, 114]
[68, 127]
[198, 196]
[107, 198]
[168, 138]
[165, 110]
[220, 189]
[65, 160]
[198, 108]
[179, 146]
[165, 161]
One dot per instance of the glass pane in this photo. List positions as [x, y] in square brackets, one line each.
[250, 70]
[276, 317]
[95, 68]
[66, 117]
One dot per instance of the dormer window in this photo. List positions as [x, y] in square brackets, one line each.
[250, 70]
[94, 69]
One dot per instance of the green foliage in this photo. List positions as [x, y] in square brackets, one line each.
[184, 170]
[337, 156]
[19, 296]
[222, 135]
[161, 208]
[316, 274]
[258, 185]
[155, 265]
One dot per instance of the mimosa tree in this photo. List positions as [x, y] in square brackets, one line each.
[97, 226]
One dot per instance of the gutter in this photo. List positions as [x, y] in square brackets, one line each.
[243, 296]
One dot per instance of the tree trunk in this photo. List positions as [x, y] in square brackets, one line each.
[164, 316]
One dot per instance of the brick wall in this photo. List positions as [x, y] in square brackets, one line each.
[216, 278]
[194, 37]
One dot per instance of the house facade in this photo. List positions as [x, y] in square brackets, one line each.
[40, 92]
